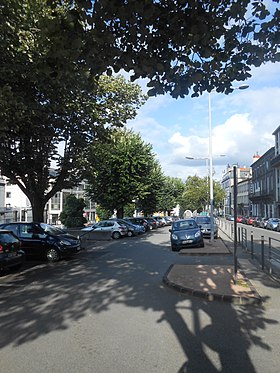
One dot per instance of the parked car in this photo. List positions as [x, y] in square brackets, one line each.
[240, 219]
[263, 222]
[152, 222]
[161, 221]
[169, 220]
[132, 229]
[204, 222]
[230, 217]
[185, 233]
[273, 224]
[44, 241]
[256, 222]
[11, 255]
[140, 221]
[117, 229]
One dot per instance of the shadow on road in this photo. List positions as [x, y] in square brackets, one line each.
[50, 297]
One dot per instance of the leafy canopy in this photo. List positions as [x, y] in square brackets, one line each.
[121, 169]
[183, 46]
[51, 105]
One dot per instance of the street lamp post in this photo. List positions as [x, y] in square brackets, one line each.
[211, 170]
[243, 86]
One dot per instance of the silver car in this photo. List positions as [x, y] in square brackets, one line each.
[204, 223]
[117, 230]
[273, 224]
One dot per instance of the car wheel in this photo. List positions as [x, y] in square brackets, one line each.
[130, 234]
[116, 235]
[52, 255]
[174, 248]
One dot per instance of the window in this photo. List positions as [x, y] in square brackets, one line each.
[8, 194]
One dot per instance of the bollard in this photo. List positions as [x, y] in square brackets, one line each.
[269, 248]
[262, 253]
[239, 235]
[252, 245]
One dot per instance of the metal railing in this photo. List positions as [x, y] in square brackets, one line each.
[265, 250]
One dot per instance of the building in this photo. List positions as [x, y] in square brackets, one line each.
[263, 186]
[275, 164]
[15, 206]
[56, 203]
[242, 174]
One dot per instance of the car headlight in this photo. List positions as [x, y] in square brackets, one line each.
[197, 234]
[174, 236]
[65, 243]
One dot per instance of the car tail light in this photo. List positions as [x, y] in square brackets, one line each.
[1, 249]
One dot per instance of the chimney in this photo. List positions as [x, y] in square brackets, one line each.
[256, 157]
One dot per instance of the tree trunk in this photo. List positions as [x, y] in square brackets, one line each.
[120, 213]
[38, 206]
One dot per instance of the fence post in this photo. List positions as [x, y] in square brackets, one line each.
[269, 248]
[262, 241]
[252, 245]
[239, 235]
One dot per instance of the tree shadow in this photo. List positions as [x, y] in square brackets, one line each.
[51, 298]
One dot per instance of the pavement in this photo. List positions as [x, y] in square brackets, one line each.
[222, 282]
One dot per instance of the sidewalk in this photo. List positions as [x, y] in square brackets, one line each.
[216, 282]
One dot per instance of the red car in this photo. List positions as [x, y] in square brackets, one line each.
[250, 220]
[239, 219]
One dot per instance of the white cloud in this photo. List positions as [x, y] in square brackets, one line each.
[242, 125]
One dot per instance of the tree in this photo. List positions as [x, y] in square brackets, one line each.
[196, 194]
[148, 203]
[72, 214]
[121, 169]
[170, 193]
[184, 46]
[50, 99]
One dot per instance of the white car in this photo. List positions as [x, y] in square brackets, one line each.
[117, 230]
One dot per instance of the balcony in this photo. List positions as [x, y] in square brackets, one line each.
[264, 194]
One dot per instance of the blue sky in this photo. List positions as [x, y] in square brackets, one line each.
[242, 125]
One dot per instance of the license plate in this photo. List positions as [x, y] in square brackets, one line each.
[12, 254]
[187, 241]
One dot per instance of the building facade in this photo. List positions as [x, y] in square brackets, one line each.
[242, 174]
[15, 206]
[262, 194]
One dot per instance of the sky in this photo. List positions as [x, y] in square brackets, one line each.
[242, 126]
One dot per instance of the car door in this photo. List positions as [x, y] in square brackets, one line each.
[33, 240]
[109, 226]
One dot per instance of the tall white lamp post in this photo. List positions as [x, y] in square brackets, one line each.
[243, 86]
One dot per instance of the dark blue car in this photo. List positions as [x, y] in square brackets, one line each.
[185, 233]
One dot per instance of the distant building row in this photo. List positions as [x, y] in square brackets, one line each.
[258, 186]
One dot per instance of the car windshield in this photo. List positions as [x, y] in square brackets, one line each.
[184, 224]
[51, 229]
[203, 220]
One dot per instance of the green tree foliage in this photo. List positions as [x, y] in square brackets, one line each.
[121, 169]
[72, 214]
[170, 193]
[51, 105]
[196, 194]
[149, 202]
[102, 213]
[185, 46]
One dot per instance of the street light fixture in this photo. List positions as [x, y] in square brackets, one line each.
[242, 86]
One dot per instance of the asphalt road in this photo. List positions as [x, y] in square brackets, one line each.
[107, 311]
